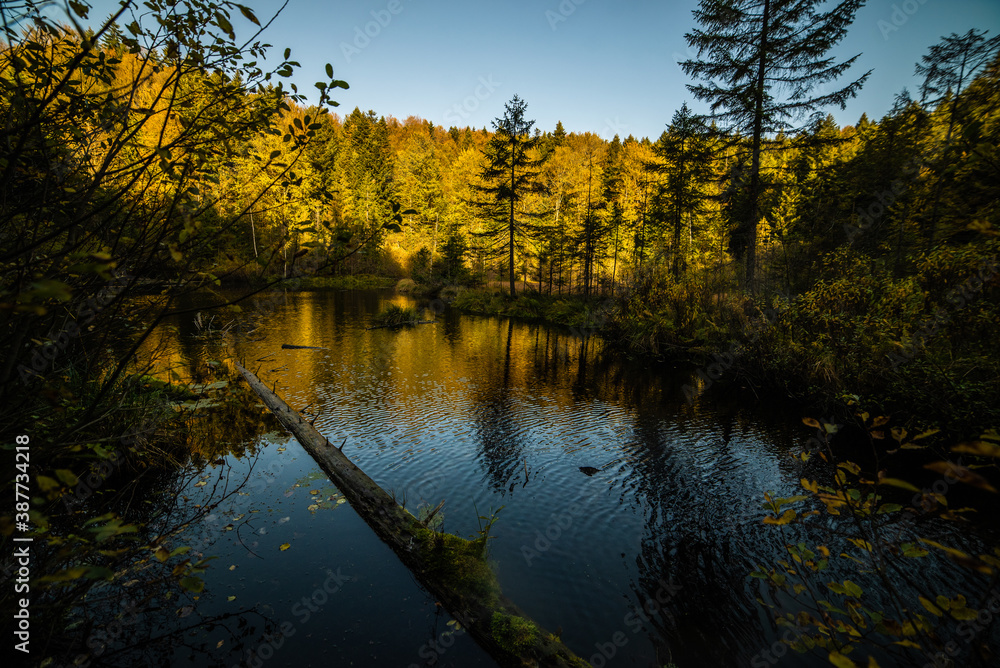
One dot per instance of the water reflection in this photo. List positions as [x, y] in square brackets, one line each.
[487, 412]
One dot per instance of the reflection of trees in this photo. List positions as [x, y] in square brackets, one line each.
[145, 615]
[500, 446]
[122, 621]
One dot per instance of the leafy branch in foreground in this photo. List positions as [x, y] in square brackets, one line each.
[857, 604]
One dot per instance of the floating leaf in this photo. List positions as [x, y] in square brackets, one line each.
[185, 611]
[230, 599]
[810, 422]
[285, 546]
[313, 507]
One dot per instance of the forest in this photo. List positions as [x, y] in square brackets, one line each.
[852, 268]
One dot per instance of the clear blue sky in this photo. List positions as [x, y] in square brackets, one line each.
[603, 66]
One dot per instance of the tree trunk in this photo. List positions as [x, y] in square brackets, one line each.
[434, 558]
[750, 278]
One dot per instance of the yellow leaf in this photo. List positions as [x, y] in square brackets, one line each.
[285, 546]
[785, 518]
[907, 643]
[161, 554]
[981, 448]
[964, 614]
[896, 482]
[933, 609]
[47, 484]
[841, 661]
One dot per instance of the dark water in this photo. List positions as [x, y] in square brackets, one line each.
[488, 412]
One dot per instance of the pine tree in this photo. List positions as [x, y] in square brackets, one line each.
[510, 173]
[755, 49]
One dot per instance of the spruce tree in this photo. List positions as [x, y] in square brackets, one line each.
[750, 52]
[510, 173]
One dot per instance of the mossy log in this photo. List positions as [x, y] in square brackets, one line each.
[453, 569]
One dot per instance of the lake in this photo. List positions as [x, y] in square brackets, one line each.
[628, 519]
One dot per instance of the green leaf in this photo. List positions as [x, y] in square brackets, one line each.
[248, 13]
[852, 589]
[79, 8]
[224, 23]
[274, 154]
[329, 70]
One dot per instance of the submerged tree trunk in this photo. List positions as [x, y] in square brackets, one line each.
[454, 570]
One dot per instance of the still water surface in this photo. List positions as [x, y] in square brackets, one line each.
[485, 412]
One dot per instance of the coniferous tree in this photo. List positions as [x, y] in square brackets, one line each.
[750, 51]
[510, 173]
[685, 161]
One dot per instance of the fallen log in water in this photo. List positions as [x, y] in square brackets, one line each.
[453, 569]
